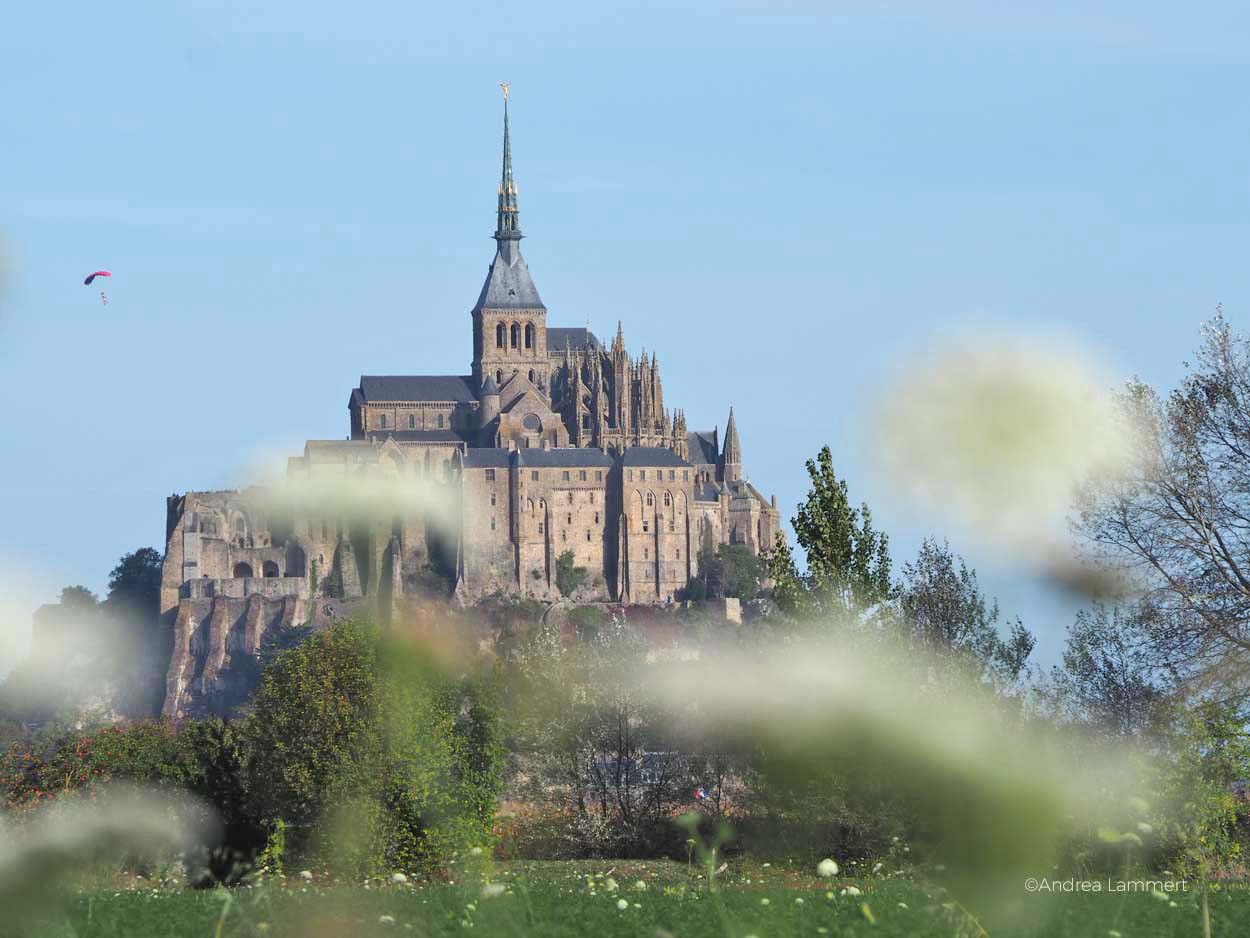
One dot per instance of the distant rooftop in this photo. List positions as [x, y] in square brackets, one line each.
[453, 388]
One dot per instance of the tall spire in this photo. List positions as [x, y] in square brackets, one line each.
[731, 455]
[508, 227]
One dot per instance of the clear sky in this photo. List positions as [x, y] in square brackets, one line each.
[786, 202]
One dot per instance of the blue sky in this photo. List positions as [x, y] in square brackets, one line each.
[292, 194]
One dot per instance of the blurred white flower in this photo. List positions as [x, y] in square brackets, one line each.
[827, 868]
[386, 920]
[850, 891]
[622, 904]
[305, 875]
[995, 432]
[493, 890]
[398, 879]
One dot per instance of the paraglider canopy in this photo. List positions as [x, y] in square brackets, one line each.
[98, 273]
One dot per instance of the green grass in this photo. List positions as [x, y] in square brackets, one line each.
[557, 900]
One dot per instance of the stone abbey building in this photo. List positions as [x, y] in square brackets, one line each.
[552, 444]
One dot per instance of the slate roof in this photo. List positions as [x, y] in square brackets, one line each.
[706, 492]
[564, 457]
[487, 458]
[457, 388]
[651, 456]
[702, 446]
[508, 282]
[577, 338]
[417, 436]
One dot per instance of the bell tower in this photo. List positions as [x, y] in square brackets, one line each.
[509, 319]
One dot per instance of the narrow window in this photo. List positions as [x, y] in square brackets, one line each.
[490, 475]
[670, 523]
[499, 373]
[564, 536]
[646, 525]
[383, 423]
[587, 535]
[570, 521]
[516, 335]
[570, 498]
[492, 499]
[592, 498]
[598, 475]
[412, 421]
[646, 553]
[566, 475]
[531, 371]
[642, 475]
[679, 553]
[529, 340]
[499, 336]
[492, 521]
[540, 527]
[650, 499]
[534, 476]
[582, 475]
[668, 500]
[630, 475]
[672, 475]
[596, 517]
[440, 421]
[685, 475]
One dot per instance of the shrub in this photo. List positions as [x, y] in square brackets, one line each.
[568, 576]
[370, 757]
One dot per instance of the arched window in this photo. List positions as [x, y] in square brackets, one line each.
[382, 424]
[668, 500]
[440, 421]
[499, 373]
[270, 569]
[516, 335]
[532, 422]
[650, 499]
[529, 340]
[412, 421]
[499, 336]
[242, 570]
[531, 374]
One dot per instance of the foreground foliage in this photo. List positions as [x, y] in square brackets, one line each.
[577, 899]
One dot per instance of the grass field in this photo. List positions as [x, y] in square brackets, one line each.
[576, 899]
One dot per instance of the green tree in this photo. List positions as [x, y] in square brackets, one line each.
[371, 756]
[78, 597]
[742, 570]
[568, 576]
[944, 613]
[135, 583]
[1108, 680]
[848, 561]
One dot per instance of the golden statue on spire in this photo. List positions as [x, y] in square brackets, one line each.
[504, 86]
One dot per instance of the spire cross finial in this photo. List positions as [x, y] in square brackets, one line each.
[508, 227]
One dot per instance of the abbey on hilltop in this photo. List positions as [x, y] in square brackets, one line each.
[553, 446]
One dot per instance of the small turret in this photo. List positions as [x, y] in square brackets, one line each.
[490, 402]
